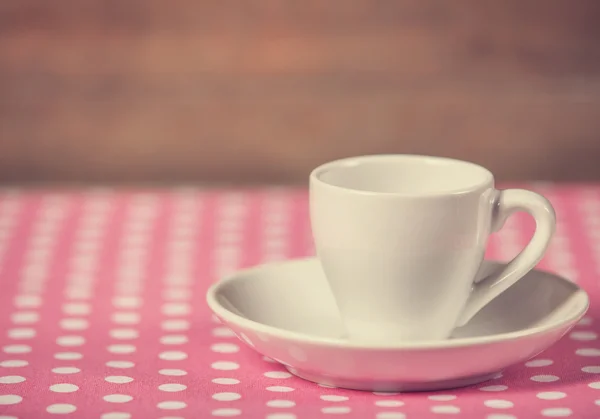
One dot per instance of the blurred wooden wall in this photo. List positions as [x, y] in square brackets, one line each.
[251, 91]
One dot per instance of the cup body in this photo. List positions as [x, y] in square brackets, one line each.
[400, 239]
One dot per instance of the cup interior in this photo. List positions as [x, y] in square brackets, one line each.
[404, 174]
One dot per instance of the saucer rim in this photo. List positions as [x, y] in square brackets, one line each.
[244, 322]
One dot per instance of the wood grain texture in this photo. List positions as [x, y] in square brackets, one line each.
[255, 91]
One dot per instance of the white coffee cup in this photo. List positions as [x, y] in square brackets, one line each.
[401, 238]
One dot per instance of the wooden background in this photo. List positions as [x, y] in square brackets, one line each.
[262, 91]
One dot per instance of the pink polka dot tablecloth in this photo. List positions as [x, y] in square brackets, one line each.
[103, 312]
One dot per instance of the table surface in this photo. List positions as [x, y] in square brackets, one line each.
[103, 313]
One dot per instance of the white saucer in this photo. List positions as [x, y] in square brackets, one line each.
[287, 312]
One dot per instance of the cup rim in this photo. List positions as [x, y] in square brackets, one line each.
[316, 173]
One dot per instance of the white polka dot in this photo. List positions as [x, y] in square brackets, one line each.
[10, 399]
[551, 395]
[445, 409]
[13, 363]
[176, 309]
[557, 412]
[581, 335]
[595, 385]
[120, 364]
[591, 369]
[65, 370]
[172, 355]
[172, 372]
[544, 378]
[390, 415]
[389, 403]
[588, 352]
[179, 272]
[11, 379]
[87, 246]
[135, 240]
[115, 415]
[224, 365]
[21, 333]
[281, 415]
[43, 239]
[133, 286]
[175, 325]
[61, 408]
[74, 324]
[84, 261]
[118, 398]
[127, 302]
[281, 403]
[172, 387]
[281, 389]
[226, 396]
[277, 374]
[16, 349]
[173, 339]
[223, 332]
[442, 397]
[37, 258]
[28, 301]
[121, 349]
[78, 293]
[225, 381]
[76, 309]
[70, 340]
[336, 410]
[498, 404]
[123, 333]
[32, 286]
[333, 398]
[539, 363]
[25, 317]
[493, 388]
[225, 348]
[171, 405]
[118, 379]
[177, 294]
[68, 356]
[226, 412]
[585, 321]
[64, 388]
[181, 244]
[126, 318]
[8, 417]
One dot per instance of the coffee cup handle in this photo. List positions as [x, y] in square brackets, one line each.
[507, 202]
